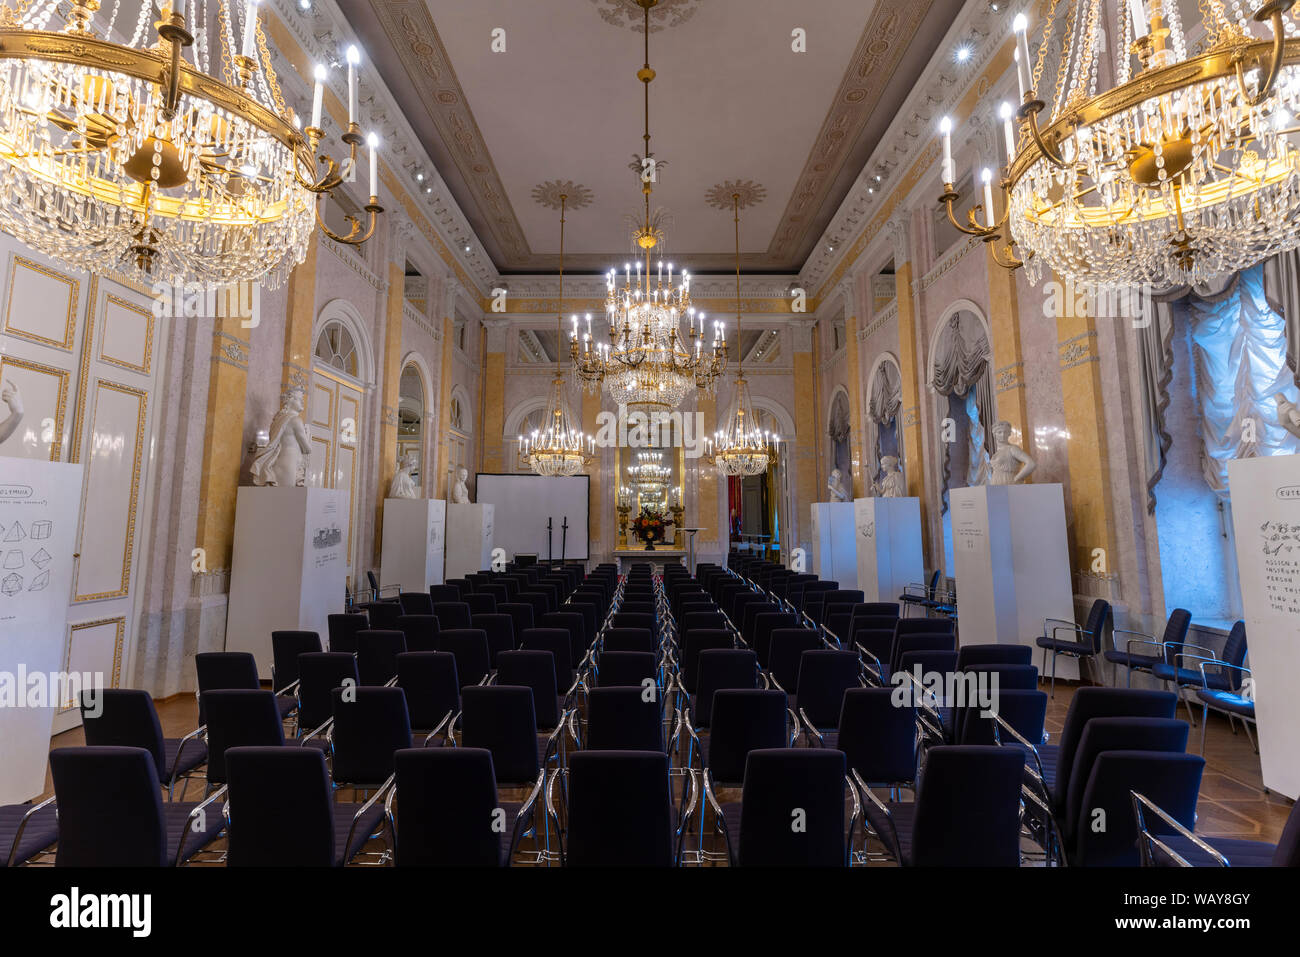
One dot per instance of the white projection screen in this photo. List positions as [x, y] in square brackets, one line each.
[523, 503]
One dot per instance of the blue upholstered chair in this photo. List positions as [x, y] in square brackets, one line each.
[1083, 643]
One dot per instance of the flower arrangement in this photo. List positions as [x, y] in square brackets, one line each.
[650, 527]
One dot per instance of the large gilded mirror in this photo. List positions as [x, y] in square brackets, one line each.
[649, 477]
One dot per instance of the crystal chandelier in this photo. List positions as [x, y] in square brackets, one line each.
[1182, 171]
[742, 447]
[558, 447]
[121, 153]
[648, 364]
[649, 474]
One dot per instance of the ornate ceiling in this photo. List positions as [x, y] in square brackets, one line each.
[733, 109]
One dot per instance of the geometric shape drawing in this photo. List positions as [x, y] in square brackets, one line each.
[41, 558]
[14, 559]
[11, 584]
[40, 581]
[16, 533]
[42, 529]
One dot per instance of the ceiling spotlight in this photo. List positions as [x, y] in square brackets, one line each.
[419, 177]
[466, 249]
[963, 54]
[304, 4]
[877, 177]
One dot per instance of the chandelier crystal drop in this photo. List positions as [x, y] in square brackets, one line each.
[558, 448]
[648, 363]
[742, 447]
[159, 150]
[1183, 170]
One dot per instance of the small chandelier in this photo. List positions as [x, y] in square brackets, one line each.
[558, 448]
[1182, 171]
[127, 157]
[742, 448]
[648, 364]
[649, 474]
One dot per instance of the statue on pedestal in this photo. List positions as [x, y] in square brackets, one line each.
[892, 484]
[459, 490]
[1009, 464]
[11, 397]
[1288, 415]
[284, 460]
[403, 485]
[835, 486]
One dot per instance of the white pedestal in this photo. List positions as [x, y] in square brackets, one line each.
[469, 539]
[289, 570]
[835, 547]
[1012, 561]
[39, 502]
[889, 546]
[412, 549]
[1266, 522]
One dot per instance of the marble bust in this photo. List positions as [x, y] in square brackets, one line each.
[403, 485]
[835, 486]
[284, 460]
[1288, 415]
[892, 483]
[1009, 464]
[459, 490]
[11, 397]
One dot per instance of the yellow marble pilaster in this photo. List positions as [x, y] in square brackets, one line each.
[908, 362]
[805, 449]
[1008, 357]
[591, 404]
[854, 376]
[300, 320]
[389, 385]
[494, 410]
[708, 513]
[223, 441]
[444, 405]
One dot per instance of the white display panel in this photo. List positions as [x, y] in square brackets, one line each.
[289, 567]
[39, 502]
[470, 534]
[1266, 521]
[413, 544]
[524, 503]
[835, 547]
[889, 546]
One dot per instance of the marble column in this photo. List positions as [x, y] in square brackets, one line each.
[806, 482]
[401, 231]
[450, 289]
[492, 436]
[848, 289]
[223, 453]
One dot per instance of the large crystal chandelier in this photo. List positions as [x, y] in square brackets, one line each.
[162, 150]
[558, 448]
[742, 448]
[648, 364]
[649, 474]
[1183, 170]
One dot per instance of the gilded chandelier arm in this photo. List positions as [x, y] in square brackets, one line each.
[950, 196]
[1005, 258]
[1029, 114]
[1271, 11]
[354, 237]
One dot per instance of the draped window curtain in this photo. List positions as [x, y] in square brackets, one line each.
[838, 429]
[883, 406]
[961, 373]
[1245, 339]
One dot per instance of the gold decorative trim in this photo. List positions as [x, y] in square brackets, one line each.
[148, 314]
[115, 681]
[83, 375]
[56, 445]
[70, 326]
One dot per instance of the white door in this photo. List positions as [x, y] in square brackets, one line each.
[334, 416]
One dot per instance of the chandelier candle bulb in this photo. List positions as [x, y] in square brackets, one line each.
[1022, 54]
[988, 197]
[318, 97]
[1008, 130]
[945, 127]
[250, 29]
[1140, 26]
[354, 57]
[373, 142]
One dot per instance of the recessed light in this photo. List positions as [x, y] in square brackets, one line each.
[466, 249]
[419, 177]
[304, 4]
[963, 54]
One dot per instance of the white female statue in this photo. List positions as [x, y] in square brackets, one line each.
[1009, 464]
[836, 487]
[11, 397]
[284, 460]
[892, 485]
[403, 484]
[460, 491]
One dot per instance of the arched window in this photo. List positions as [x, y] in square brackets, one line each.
[335, 348]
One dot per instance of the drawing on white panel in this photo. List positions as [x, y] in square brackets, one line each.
[435, 534]
[868, 529]
[327, 537]
[16, 533]
[41, 558]
[42, 529]
[14, 559]
[11, 584]
[40, 581]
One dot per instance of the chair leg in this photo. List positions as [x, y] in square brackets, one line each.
[1188, 704]
[1053, 673]
[1249, 737]
[1205, 711]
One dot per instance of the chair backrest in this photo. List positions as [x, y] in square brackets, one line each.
[624, 719]
[744, 720]
[224, 670]
[470, 646]
[572, 622]
[110, 808]
[1008, 677]
[633, 619]
[1180, 620]
[369, 727]
[384, 614]
[343, 631]
[1170, 779]
[446, 804]
[785, 651]
[919, 641]
[421, 632]
[971, 655]
[444, 592]
[1113, 734]
[1100, 620]
[929, 626]
[608, 789]
[416, 603]
[764, 624]
[928, 661]
[876, 609]
[481, 604]
[373, 579]
[694, 642]
[499, 592]
[877, 736]
[721, 668]
[968, 808]
[319, 674]
[239, 718]
[501, 719]
[617, 669]
[703, 620]
[1234, 653]
[377, 652]
[629, 639]
[824, 676]
[452, 614]
[521, 613]
[780, 782]
[281, 799]
[286, 646]
[123, 717]
[500, 630]
[534, 669]
[556, 641]
[431, 684]
[1025, 710]
[1089, 703]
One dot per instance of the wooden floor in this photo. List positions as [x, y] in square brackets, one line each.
[1233, 802]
